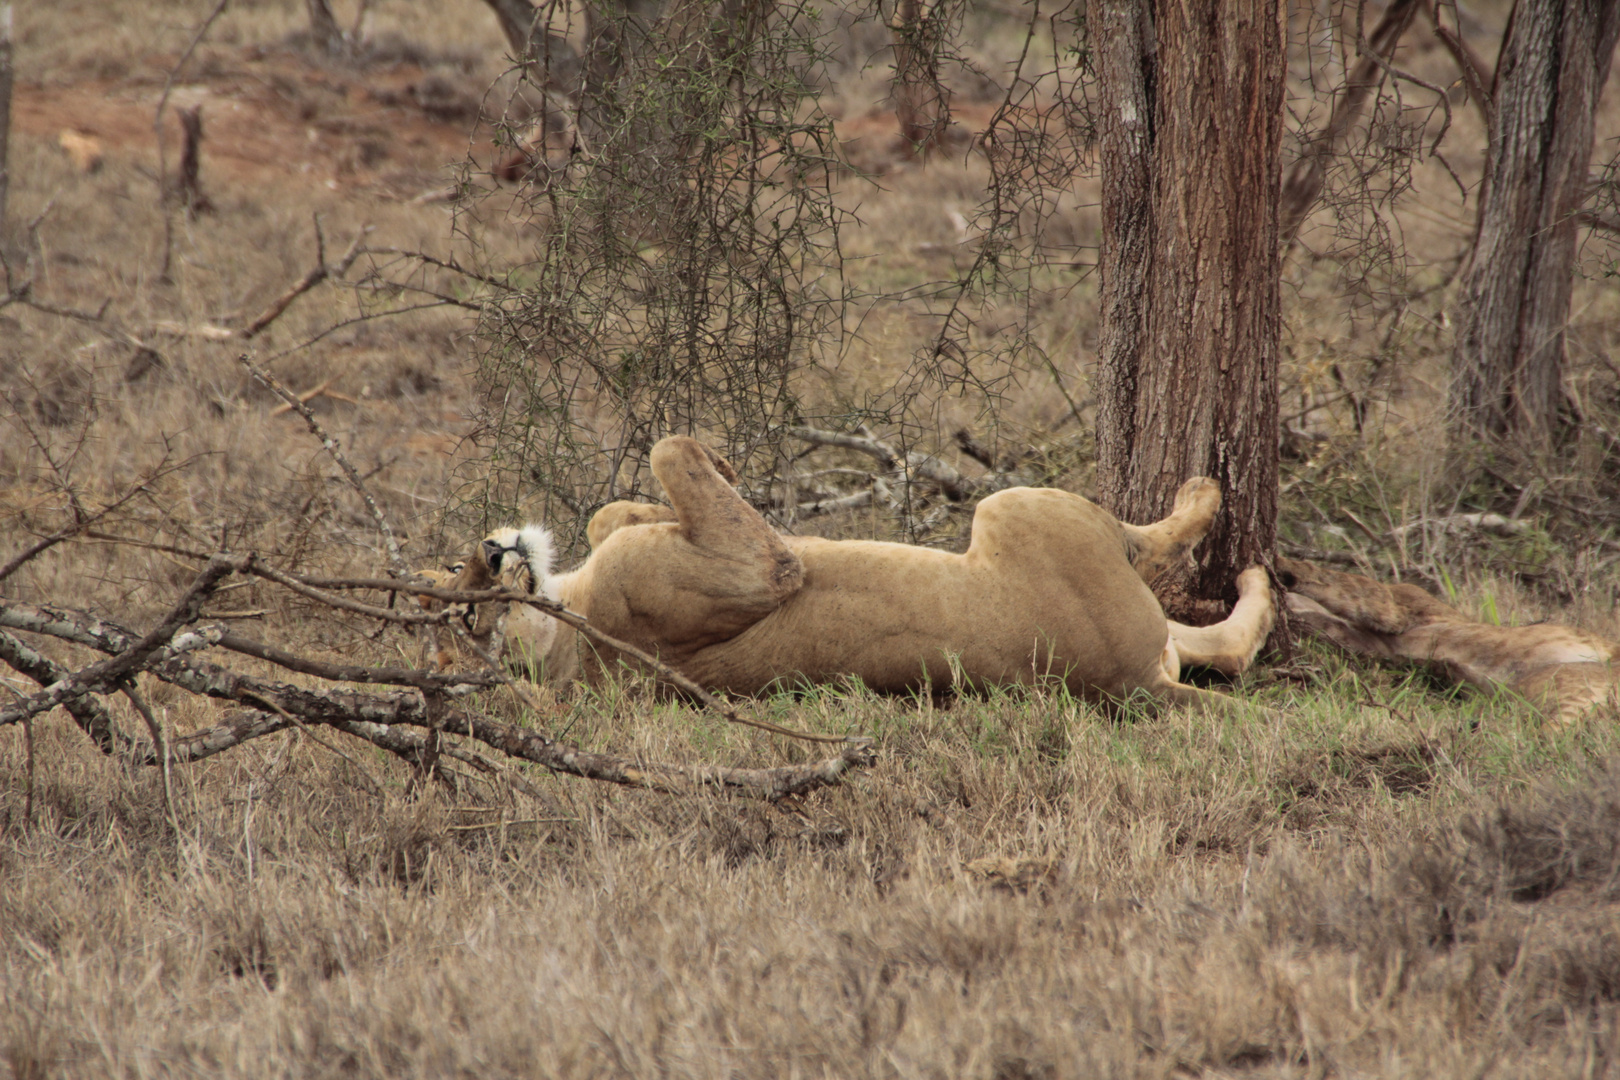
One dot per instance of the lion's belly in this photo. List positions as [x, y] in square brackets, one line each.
[899, 617]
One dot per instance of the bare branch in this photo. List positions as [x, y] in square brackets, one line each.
[163, 637]
[422, 680]
[1476, 73]
[1600, 222]
[317, 274]
[83, 522]
[912, 466]
[340, 707]
[91, 716]
[1304, 181]
[396, 561]
[1443, 99]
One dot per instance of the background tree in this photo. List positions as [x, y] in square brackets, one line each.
[1190, 130]
[1514, 301]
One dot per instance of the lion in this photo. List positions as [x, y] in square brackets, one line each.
[1562, 671]
[439, 639]
[1051, 587]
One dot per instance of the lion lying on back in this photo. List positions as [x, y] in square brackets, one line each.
[1051, 587]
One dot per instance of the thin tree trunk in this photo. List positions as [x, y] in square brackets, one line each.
[6, 78]
[1190, 140]
[191, 193]
[922, 105]
[1508, 365]
[323, 26]
[1304, 183]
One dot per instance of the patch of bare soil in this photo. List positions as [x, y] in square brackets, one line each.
[271, 120]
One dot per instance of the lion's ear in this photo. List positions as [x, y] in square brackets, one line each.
[493, 551]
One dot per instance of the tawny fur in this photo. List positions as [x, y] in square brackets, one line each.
[440, 640]
[1562, 671]
[1051, 587]
[521, 559]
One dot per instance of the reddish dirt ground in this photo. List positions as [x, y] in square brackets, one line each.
[271, 119]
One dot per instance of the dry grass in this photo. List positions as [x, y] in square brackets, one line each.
[1155, 897]
[1373, 878]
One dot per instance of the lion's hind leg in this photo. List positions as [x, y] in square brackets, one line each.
[1230, 646]
[1153, 549]
[622, 515]
[743, 560]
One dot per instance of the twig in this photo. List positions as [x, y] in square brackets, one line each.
[306, 397]
[83, 522]
[1304, 181]
[1593, 220]
[951, 482]
[161, 743]
[396, 561]
[1474, 72]
[1397, 73]
[317, 274]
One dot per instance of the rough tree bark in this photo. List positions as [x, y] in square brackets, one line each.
[1508, 367]
[1190, 138]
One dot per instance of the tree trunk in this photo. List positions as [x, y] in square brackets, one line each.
[5, 108]
[323, 27]
[1190, 139]
[1508, 367]
[922, 104]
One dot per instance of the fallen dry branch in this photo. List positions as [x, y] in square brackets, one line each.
[324, 389]
[316, 274]
[373, 717]
[912, 466]
[384, 719]
[164, 640]
[91, 716]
